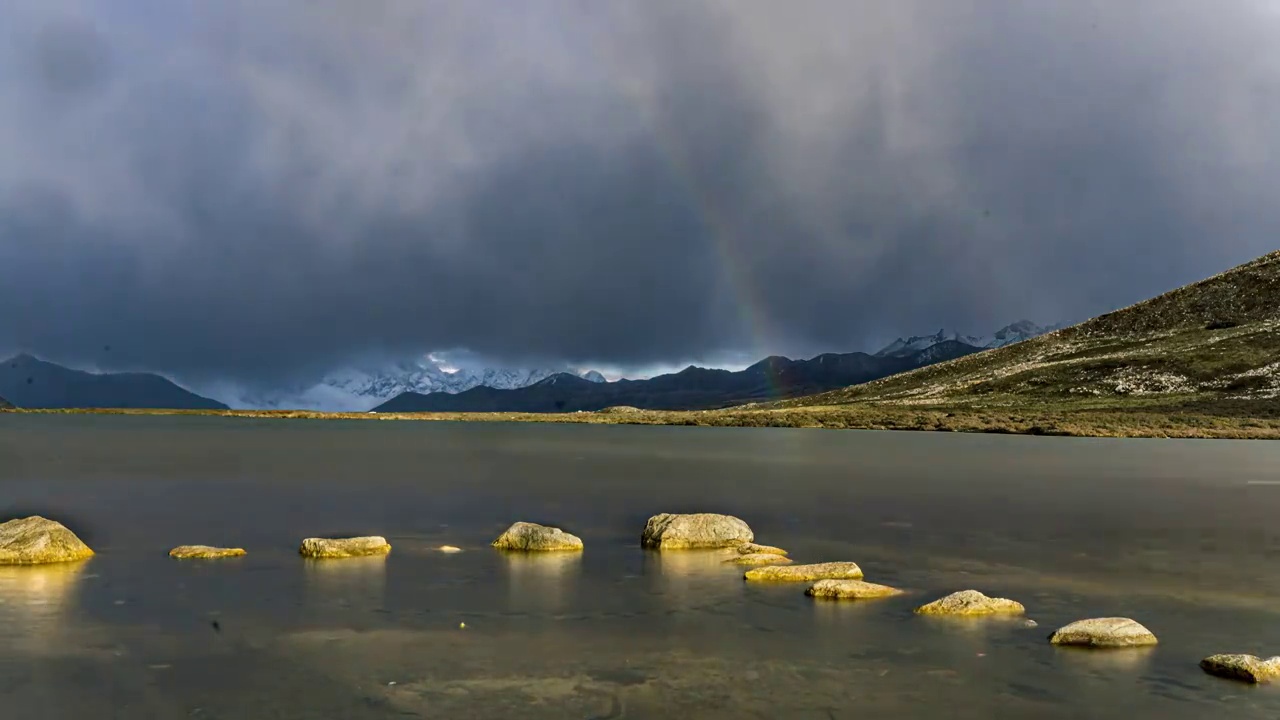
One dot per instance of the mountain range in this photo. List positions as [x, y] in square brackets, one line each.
[1007, 335]
[29, 382]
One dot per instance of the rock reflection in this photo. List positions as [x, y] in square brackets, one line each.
[541, 581]
[1106, 661]
[359, 583]
[693, 578]
[35, 602]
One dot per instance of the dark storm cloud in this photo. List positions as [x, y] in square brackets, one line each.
[261, 190]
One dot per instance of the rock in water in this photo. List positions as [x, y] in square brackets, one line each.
[759, 559]
[36, 541]
[344, 547]
[531, 536]
[807, 573]
[850, 590]
[699, 530]
[1248, 668]
[971, 602]
[754, 549]
[1104, 633]
[187, 552]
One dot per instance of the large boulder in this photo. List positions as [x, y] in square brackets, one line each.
[344, 547]
[1112, 632]
[1248, 668]
[971, 602]
[806, 573]
[204, 552]
[694, 531]
[36, 541]
[850, 590]
[531, 536]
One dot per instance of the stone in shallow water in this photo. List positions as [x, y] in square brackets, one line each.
[694, 531]
[1248, 668]
[1114, 632]
[754, 549]
[759, 559]
[531, 536]
[36, 541]
[344, 547]
[850, 590]
[971, 602]
[806, 573]
[185, 552]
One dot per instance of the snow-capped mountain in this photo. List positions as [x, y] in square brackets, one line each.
[357, 390]
[1007, 335]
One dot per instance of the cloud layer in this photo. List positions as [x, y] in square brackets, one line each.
[260, 190]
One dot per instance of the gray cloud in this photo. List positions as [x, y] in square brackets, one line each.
[264, 189]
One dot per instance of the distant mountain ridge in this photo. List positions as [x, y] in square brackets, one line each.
[1007, 335]
[5, 404]
[29, 382]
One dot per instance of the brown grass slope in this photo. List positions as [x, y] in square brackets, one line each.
[1212, 347]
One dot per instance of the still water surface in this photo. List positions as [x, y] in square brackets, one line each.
[1180, 535]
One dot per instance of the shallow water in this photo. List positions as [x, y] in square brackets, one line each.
[1177, 534]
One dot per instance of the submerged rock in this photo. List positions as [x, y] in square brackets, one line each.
[758, 559]
[1114, 632]
[531, 536]
[344, 547]
[698, 530]
[971, 602]
[850, 590]
[1248, 668]
[36, 541]
[185, 552]
[805, 573]
[754, 549]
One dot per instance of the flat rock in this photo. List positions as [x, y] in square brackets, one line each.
[185, 552]
[694, 531]
[1114, 632]
[754, 549]
[344, 547]
[1248, 668]
[807, 573]
[971, 602]
[36, 541]
[850, 590]
[534, 537]
[758, 559]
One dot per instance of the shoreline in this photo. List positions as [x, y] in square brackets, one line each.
[1101, 422]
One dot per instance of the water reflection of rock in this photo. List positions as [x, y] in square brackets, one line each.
[692, 578]
[359, 583]
[541, 581]
[35, 602]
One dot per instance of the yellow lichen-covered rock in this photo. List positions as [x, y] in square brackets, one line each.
[971, 602]
[667, 531]
[758, 559]
[754, 549]
[1248, 668]
[807, 573]
[344, 547]
[534, 537]
[189, 552]
[850, 590]
[36, 541]
[1114, 632]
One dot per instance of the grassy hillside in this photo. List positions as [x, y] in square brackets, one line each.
[1212, 347]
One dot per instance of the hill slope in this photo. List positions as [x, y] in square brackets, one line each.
[693, 388]
[5, 404]
[32, 383]
[1210, 346]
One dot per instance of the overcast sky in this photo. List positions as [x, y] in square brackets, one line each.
[261, 190]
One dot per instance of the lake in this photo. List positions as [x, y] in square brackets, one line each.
[1180, 535]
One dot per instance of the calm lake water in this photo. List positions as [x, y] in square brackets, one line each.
[1179, 535]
